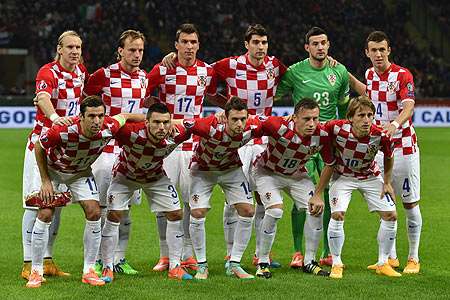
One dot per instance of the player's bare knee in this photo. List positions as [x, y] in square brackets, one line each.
[114, 215]
[410, 205]
[245, 209]
[388, 215]
[280, 206]
[198, 213]
[174, 215]
[46, 214]
[338, 215]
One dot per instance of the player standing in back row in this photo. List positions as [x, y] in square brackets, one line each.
[123, 88]
[391, 89]
[314, 78]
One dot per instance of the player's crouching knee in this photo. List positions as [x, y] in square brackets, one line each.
[174, 215]
[389, 216]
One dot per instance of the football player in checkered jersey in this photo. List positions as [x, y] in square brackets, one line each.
[64, 155]
[282, 167]
[216, 161]
[58, 92]
[182, 89]
[123, 87]
[253, 77]
[314, 78]
[391, 89]
[140, 165]
[357, 141]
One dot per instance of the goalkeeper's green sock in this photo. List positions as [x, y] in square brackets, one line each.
[298, 222]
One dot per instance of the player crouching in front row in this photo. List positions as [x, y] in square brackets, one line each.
[357, 142]
[71, 152]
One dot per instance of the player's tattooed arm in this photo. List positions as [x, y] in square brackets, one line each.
[359, 87]
[46, 191]
[169, 60]
[44, 103]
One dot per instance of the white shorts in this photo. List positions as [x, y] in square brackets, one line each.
[248, 154]
[101, 169]
[342, 187]
[31, 180]
[233, 183]
[269, 185]
[176, 166]
[161, 195]
[82, 186]
[405, 178]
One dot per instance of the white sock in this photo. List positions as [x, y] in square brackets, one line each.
[124, 236]
[175, 241]
[268, 232]
[386, 238]
[161, 224]
[188, 249]
[336, 238]
[103, 211]
[53, 231]
[198, 237]
[110, 236]
[29, 216]
[259, 217]
[230, 219]
[241, 237]
[393, 253]
[414, 227]
[92, 240]
[39, 242]
[313, 234]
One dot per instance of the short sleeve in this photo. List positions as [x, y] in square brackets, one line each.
[45, 82]
[51, 138]
[407, 87]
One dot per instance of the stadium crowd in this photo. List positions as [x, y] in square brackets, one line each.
[36, 24]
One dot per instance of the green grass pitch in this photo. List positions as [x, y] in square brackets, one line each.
[360, 247]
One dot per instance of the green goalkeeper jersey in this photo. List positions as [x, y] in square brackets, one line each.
[328, 86]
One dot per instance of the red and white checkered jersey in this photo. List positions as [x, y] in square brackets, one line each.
[388, 91]
[140, 159]
[183, 89]
[64, 89]
[217, 151]
[122, 92]
[69, 151]
[355, 157]
[287, 151]
[255, 85]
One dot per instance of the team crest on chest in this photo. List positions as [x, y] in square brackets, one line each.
[391, 87]
[143, 83]
[313, 149]
[201, 80]
[270, 73]
[332, 79]
[170, 147]
[373, 149]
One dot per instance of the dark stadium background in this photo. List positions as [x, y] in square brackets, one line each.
[419, 32]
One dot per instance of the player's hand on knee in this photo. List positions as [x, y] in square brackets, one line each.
[388, 191]
[63, 121]
[46, 192]
[169, 61]
[316, 205]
